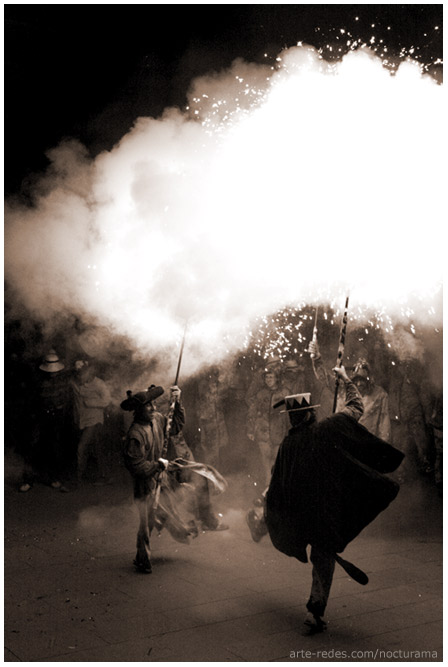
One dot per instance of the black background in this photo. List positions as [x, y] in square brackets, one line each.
[87, 71]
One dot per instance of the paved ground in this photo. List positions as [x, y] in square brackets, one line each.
[71, 594]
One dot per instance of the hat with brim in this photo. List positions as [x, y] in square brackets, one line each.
[292, 366]
[272, 363]
[361, 373]
[51, 363]
[136, 401]
[296, 402]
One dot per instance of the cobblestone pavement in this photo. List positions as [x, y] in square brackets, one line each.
[71, 594]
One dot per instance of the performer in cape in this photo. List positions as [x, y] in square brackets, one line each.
[327, 485]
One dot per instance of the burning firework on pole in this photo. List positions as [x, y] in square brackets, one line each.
[314, 338]
[173, 401]
[341, 349]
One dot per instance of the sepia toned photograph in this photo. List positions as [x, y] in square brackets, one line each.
[223, 332]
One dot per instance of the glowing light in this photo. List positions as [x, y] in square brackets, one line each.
[205, 215]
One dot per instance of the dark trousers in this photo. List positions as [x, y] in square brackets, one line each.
[45, 456]
[323, 570]
[90, 443]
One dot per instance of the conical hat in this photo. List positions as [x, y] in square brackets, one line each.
[296, 402]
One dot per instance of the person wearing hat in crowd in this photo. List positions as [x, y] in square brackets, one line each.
[326, 486]
[50, 448]
[375, 399]
[293, 376]
[90, 397]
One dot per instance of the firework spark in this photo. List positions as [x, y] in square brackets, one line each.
[288, 183]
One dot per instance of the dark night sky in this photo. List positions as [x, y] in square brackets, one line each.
[87, 71]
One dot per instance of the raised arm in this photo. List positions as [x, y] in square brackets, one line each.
[354, 406]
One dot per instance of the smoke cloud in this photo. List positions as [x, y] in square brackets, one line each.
[274, 186]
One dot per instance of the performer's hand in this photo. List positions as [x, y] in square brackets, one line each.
[340, 372]
[163, 463]
[251, 436]
[175, 393]
[313, 349]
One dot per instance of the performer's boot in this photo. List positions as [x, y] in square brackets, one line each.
[255, 520]
[313, 624]
[142, 562]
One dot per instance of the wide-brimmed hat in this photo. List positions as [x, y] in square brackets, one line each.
[271, 364]
[296, 402]
[361, 370]
[136, 401]
[293, 365]
[51, 363]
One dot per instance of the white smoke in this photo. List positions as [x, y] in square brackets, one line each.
[272, 187]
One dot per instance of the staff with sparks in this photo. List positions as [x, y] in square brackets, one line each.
[175, 394]
[326, 486]
[341, 349]
[159, 460]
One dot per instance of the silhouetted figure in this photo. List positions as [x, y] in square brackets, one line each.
[326, 486]
[90, 397]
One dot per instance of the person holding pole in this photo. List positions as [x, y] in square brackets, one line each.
[327, 485]
[151, 441]
[143, 457]
[153, 445]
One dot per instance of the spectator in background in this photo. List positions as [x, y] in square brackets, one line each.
[20, 409]
[375, 400]
[409, 405]
[51, 421]
[293, 377]
[266, 426]
[214, 438]
[90, 397]
[436, 423]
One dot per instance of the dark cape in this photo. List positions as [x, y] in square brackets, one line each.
[327, 485]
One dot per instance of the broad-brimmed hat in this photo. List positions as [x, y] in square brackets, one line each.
[51, 363]
[291, 365]
[296, 402]
[272, 363]
[361, 370]
[136, 401]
